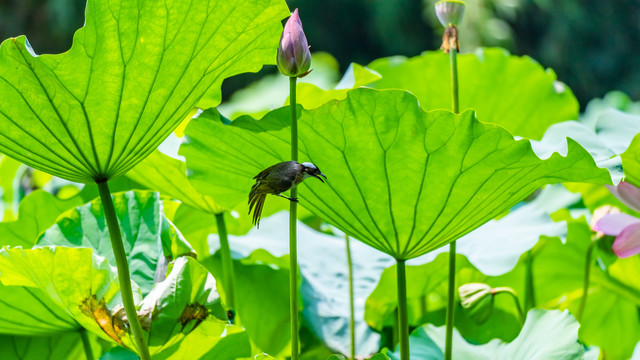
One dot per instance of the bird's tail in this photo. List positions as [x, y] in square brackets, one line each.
[256, 202]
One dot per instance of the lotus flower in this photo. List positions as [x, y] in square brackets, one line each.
[294, 57]
[624, 227]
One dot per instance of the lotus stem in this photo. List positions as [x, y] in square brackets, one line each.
[529, 298]
[88, 353]
[585, 285]
[228, 274]
[352, 318]
[123, 270]
[453, 62]
[293, 217]
[403, 317]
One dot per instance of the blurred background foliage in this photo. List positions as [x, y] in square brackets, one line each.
[591, 44]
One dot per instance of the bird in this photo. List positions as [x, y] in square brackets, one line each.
[277, 179]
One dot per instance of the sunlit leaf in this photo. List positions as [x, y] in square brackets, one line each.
[545, 335]
[511, 91]
[400, 179]
[134, 71]
[558, 278]
[427, 300]
[148, 236]
[631, 162]
[65, 346]
[169, 176]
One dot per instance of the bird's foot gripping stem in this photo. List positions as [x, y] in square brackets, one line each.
[289, 198]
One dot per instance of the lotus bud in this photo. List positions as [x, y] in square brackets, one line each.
[294, 57]
[477, 301]
[450, 12]
[601, 212]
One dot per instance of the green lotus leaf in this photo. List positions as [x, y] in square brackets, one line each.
[511, 91]
[133, 73]
[180, 303]
[39, 210]
[545, 335]
[86, 287]
[613, 294]
[28, 311]
[631, 162]
[64, 346]
[265, 318]
[149, 238]
[427, 300]
[400, 179]
[74, 279]
[167, 175]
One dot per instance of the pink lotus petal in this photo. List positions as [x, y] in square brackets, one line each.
[613, 224]
[628, 242]
[627, 193]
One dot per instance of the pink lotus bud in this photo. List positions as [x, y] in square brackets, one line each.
[626, 229]
[450, 12]
[627, 243]
[294, 57]
[627, 193]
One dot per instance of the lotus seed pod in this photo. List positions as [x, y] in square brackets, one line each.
[477, 301]
[450, 12]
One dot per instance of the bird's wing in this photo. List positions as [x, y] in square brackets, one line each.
[264, 172]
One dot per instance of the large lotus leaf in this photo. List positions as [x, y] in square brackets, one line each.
[64, 346]
[558, 278]
[427, 300]
[262, 299]
[148, 236]
[400, 179]
[545, 335]
[39, 210]
[262, 255]
[74, 279]
[180, 303]
[134, 71]
[29, 311]
[167, 175]
[511, 91]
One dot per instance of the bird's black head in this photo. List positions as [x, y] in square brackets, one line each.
[312, 170]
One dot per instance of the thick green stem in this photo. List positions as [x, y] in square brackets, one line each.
[448, 349]
[228, 276]
[507, 290]
[403, 313]
[293, 217]
[585, 285]
[123, 271]
[88, 353]
[352, 317]
[451, 295]
[529, 296]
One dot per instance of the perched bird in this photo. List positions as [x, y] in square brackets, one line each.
[277, 179]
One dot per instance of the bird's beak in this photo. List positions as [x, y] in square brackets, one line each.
[319, 178]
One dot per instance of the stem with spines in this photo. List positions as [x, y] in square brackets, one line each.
[293, 217]
[123, 270]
